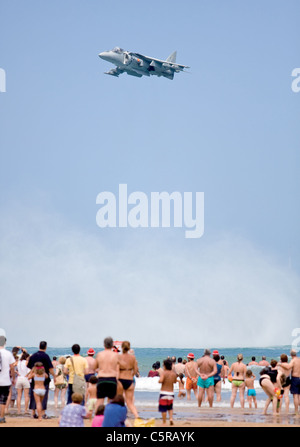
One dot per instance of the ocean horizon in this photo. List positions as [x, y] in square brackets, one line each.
[147, 356]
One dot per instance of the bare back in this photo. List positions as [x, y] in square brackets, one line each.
[206, 365]
[92, 364]
[239, 370]
[107, 363]
[295, 367]
[127, 366]
[191, 369]
[167, 379]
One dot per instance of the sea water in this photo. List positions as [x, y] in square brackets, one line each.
[147, 388]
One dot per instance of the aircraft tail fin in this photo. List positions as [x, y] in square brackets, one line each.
[172, 57]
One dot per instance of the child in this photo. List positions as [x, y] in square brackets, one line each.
[91, 395]
[73, 414]
[38, 375]
[115, 413]
[182, 392]
[166, 397]
[251, 393]
[99, 416]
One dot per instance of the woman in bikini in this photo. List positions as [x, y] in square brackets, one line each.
[238, 372]
[38, 375]
[128, 368]
[272, 381]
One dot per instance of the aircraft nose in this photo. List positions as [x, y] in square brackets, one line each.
[103, 55]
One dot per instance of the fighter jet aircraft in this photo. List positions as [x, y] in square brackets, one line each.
[135, 64]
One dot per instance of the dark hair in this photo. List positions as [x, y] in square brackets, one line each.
[179, 360]
[43, 345]
[168, 364]
[154, 366]
[265, 370]
[253, 359]
[118, 399]
[76, 349]
[283, 380]
[93, 379]
[216, 357]
[100, 410]
[125, 346]
[273, 363]
[24, 355]
[158, 364]
[284, 358]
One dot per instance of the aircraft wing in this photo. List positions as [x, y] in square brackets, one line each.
[160, 62]
[117, 71]
[114, 72]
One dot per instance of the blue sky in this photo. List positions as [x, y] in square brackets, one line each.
[228, 128]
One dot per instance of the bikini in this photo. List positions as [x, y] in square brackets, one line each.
[39, 391]
[270, 375]
[126, 383]
[237, 382]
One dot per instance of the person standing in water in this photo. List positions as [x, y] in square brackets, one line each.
[238, 371]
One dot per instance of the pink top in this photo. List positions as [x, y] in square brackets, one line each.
[97, 421]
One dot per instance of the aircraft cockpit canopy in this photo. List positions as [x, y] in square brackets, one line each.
[118, 50]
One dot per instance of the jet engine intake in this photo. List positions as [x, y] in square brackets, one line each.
[127, 59]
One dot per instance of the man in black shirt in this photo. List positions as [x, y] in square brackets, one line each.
[40, 356]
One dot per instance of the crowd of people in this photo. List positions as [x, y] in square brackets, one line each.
[101, 386]
[205, 375]
[98, 387]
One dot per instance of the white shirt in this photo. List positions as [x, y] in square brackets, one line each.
[22, 368]
[6, 360]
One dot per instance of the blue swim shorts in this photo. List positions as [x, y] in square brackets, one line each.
[251, 392]
[205, 383]
[295, 385]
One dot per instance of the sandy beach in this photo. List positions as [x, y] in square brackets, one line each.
[203, 417]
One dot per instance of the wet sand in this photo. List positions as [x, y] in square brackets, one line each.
[200, 417]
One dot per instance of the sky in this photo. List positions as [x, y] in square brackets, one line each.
[228, 127]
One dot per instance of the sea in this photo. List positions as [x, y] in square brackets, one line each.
[147, 388]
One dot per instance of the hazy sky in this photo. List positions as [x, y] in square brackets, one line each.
[228, 128]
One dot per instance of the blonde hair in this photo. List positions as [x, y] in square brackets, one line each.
[62, 360]
[39, 368]
[77, 398]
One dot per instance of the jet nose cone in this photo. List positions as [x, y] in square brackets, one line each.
[103, 55]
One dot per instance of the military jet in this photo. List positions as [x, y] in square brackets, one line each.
[135, 64]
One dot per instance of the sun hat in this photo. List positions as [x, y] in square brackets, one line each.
[190, 356]
[91, 351]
